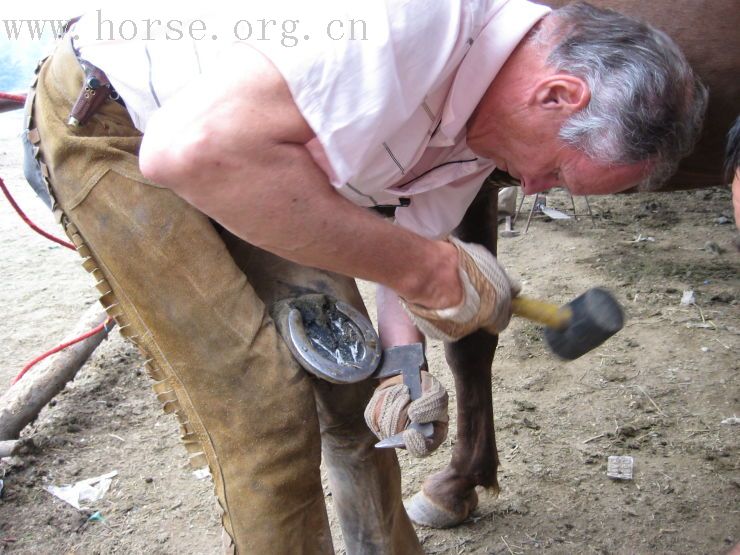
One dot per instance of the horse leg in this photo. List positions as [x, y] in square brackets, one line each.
[448, 497]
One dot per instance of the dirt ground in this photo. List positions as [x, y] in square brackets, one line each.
[659, 391]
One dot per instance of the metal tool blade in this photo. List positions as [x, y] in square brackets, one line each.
[392, 442]
[396, 359]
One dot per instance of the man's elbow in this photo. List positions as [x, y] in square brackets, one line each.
[168, 159]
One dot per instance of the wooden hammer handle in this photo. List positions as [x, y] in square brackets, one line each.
[551, 315]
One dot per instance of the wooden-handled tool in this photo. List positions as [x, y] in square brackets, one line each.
[547, 314]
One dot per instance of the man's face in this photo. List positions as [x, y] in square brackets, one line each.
[528, 148]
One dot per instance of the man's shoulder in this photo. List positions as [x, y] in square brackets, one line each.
[430, 19]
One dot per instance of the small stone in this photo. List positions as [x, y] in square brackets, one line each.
[524, 405]
[530, 424]
[614, 375]
[723, 297]
[148, 480]
[711, 246]
[15, 463]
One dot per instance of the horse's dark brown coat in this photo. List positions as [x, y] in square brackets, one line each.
[707, 32]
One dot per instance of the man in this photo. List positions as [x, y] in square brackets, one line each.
[251, 183]
[732, 156]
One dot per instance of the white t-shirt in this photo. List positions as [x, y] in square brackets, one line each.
[387, 86]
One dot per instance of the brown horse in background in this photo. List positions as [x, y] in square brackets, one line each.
[707, 32]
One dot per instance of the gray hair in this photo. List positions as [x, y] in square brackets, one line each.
[646, 103]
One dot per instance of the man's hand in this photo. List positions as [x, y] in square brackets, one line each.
[390, 412]
[487, 294]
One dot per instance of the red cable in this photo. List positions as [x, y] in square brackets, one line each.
[95, 330]
[29, 222]
[19, 98]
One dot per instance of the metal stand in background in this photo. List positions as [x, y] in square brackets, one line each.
[536, 204]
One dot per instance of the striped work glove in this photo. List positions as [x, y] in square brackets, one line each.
[390, 411]
[487, 294]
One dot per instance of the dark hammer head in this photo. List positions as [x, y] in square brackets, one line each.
[596, 316]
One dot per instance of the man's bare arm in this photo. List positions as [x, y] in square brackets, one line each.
[395, 326]
[233, 145]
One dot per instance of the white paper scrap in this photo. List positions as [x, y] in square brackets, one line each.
[620, 468]
[688, 298]
[554, 213]
[84, 491]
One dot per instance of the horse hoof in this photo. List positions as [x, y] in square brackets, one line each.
[422, 510]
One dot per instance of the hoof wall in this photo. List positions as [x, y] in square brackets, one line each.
[425, 512]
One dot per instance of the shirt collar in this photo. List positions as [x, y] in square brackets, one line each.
[506, 23]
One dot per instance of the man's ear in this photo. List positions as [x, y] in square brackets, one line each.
[561, 92]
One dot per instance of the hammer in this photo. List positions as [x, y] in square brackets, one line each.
[571, 331]
[577, 327]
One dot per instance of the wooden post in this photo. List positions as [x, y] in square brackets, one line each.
[8, 448]
[24, 400]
